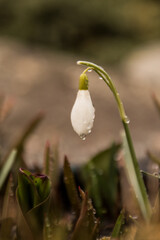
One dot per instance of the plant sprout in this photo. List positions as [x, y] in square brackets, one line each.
[83, 112]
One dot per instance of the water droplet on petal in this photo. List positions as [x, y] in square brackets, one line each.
[89, 131]
[100, 78]
[83, 136]
[89, 70]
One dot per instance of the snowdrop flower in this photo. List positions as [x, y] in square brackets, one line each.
[83, 112]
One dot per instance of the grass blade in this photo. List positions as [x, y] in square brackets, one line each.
[7, 167]
[117, 228]
[136, 181]
[6, 200]
[14, 158]
[71, 186]
[87, 224]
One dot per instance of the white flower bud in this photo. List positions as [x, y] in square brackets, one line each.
[83, 114]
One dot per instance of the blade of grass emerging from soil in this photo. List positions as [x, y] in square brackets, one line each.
[71, 187]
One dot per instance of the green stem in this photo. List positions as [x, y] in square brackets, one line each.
[103, 74]
[138, 172]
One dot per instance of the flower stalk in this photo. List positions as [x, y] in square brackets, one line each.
[146, 209]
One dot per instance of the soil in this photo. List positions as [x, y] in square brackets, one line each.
[36, 80]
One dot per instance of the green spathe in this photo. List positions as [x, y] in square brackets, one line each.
[83, 82]
[33, 189]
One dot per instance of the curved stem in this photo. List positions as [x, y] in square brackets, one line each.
[104, 75]
[146, 209]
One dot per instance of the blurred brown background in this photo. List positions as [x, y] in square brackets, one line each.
[40, 42]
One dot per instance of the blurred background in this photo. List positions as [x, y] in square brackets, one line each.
[40, 42]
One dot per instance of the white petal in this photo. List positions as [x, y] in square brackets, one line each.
[83, 113]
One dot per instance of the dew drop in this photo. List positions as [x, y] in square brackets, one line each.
[83, 136]
[100, 78]
[89, 70]
[89, 131]
[94, 211]
[127, 120]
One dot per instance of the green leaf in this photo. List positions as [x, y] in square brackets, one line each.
[87, 224]
[14, 159]
[33, 194]
[42, 185]
[71, 186]
[32, 189]
[6, 168]
[36, 217]
[100, 175]
[136, 181]
[26, 192]
[118, 225]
